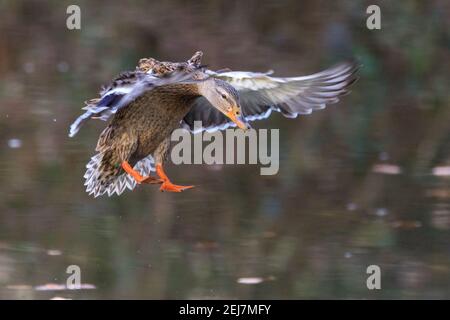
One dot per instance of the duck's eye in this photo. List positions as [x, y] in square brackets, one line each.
[224, 96]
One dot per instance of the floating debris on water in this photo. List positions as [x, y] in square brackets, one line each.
[14, 143]
[406, 224]
[348, 255]
[381, 212]
[54, 252]
[442, 171]
[438, 193]
[352, 206]
[50, 287]
[251, 280]
[387, 169]
[60, 287]
[206, 245]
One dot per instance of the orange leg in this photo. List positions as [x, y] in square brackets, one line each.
[139, 179]
[166, 184]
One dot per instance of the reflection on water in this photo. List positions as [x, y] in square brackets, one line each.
[364, 182]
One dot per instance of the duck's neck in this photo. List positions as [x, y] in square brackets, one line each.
[204, 87]
[207, 89]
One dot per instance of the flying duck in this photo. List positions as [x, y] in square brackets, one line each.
[146, 105]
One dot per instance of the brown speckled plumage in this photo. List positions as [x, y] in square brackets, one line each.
[143, 128]
[160, 68]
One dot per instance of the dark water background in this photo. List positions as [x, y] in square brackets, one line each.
[360, 183]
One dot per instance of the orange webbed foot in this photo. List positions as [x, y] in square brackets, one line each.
[167, 185]
[170, 187]
[137, 177]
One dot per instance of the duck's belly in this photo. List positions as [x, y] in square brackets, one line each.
[153, 120]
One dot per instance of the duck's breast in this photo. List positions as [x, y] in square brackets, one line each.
[154, 116]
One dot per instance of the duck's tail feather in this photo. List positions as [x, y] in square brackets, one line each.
[101, 179]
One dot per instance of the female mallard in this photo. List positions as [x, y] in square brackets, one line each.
[148, 104]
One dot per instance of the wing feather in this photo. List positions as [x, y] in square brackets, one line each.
[122, 94]
[260, 94]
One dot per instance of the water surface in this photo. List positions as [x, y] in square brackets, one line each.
[364, 182]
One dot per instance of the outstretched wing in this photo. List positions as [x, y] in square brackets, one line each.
[123, 90]
[260, 94]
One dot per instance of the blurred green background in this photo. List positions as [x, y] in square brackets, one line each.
[363, 182]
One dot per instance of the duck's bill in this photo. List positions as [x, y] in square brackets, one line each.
[239, 121]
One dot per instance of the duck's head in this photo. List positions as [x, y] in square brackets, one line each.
[225, 98]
